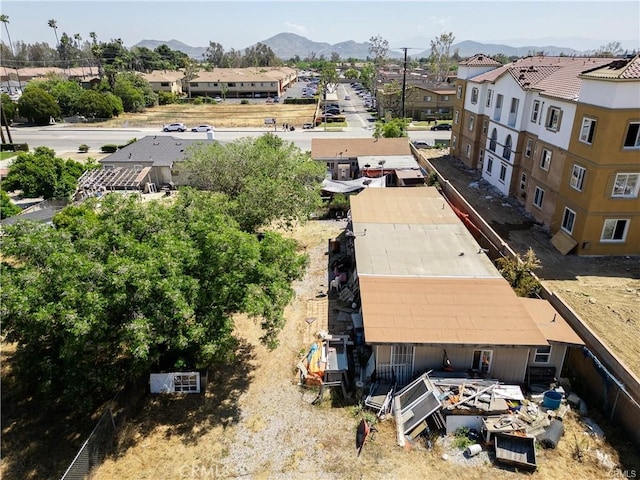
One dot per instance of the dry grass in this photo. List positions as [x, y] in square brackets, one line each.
[223, 115]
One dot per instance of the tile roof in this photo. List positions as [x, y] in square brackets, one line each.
[626, 68]
[480, 60]
[553, 76]
[265, 74]
[162, 150]
[322, 148]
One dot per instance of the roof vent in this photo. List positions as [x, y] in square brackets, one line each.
[521, 77]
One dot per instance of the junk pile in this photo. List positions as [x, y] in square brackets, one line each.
[326, 364]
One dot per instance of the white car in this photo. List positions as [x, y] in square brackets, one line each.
[174, 127]
[202, 128]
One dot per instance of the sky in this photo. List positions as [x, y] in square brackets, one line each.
[238, 24]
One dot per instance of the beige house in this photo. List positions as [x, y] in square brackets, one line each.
[561, 135]
[259, 82]
[165, 81]
[428, 291]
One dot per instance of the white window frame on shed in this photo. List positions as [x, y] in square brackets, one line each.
[175, 382]
[543, 354]
[479, 364]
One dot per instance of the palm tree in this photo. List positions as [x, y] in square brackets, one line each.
[54, 24]
[5, 19]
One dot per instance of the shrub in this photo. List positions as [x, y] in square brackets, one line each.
[109, 148]
[197, 101]
[461, 438]
[84, 148]
[244, 102]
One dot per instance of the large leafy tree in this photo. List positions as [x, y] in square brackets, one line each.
[9, 108]
[111, 292]
[38, 105]
[441, 55]
[7, 207]
[42, 174]
[134, 91]
[94, 104]
[394, 128]
[266, 179]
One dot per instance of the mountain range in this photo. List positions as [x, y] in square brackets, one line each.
[289, 45]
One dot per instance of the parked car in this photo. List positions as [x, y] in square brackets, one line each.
[307, 126]
[441, 126]
[420, 144]
[174, 127]
[202, 128]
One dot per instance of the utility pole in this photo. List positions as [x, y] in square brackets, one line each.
[404, 81]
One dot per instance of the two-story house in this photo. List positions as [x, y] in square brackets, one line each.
[530, 127]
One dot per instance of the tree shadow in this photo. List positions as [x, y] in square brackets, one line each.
[40, 443]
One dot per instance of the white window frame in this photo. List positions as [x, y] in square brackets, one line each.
[503, 172]
[481, 366]
[471, 122]
[587, 131]
[538, 197]
[568, 220]
[545, 159]
[474, 95]
[468, 150]
[635, 139]
[621, 185]
[426, 98]
[554, 117]
[445, 98]
[489, 98]
[577, 177]
[186, 382]
[535, 111]
[456, 117]
[485, 126]
[543, 354]
[529, 148]
[609, 228]
[459, 94]
[489, 165]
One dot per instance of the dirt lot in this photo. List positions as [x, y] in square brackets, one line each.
[605, 291]
[256, 422]
[221, 115]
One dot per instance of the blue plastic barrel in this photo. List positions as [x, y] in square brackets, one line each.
[551, 399]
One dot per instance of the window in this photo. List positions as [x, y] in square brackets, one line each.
[468, 150]
[481, 157]
[494, 140]
[587, 130]
[231, 84]
[498, 109]
[489, 165]
[614, 230]
[553, 119]
[503, 172]
[545, 159]
[454, 141]
[456, 118]
[543, 354]
[523, 182]
[528, 148]
[577, 177]
[489, 94]
[506, 150]
[626, 185]
[186, 382]
[513, 112]
[485, 126]
[471, 122]
[482, 360]
[459, 94]
[568, 220]
[632, 140]
[538, 197]
[445, 98]
[194, 84]
[164, 84]
[535, 112]
[426, 98]
[474, 95]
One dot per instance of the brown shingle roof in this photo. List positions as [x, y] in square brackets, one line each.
[627, 68]
[444, 311]
[355, 147]
[553, 76]
[480, 60]
[550, 322]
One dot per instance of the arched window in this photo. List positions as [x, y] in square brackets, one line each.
[506, 152]
[494, 140]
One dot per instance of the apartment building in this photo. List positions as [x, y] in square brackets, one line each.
[259, 82]
[561, 135]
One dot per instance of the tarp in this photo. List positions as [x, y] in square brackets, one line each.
[346, 186]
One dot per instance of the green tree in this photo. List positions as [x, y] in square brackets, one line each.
[111, 292]
[518, 272]
[441, 55]
[266, 179]
[352, 73]
[7, 207]
[134, 91]
[394, 128]
[9, 107]
[94, 104]
[38, 106]
[42, 174]
[611, 49]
